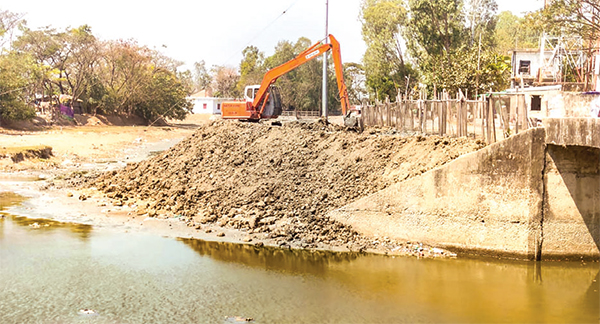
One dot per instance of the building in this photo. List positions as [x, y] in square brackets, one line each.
[562, 60]
[204, 103]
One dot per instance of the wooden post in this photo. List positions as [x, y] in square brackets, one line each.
[489, 114]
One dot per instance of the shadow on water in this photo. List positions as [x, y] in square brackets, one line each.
[9, 199]
[579, 168]
[270, 258]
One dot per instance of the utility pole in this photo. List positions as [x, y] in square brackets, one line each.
[324, 95]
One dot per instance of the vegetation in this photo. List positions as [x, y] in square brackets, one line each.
[109, 77]
[439, 45]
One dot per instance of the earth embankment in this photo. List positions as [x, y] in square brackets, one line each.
[276, 181]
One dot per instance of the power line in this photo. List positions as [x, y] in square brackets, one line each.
[262, 31]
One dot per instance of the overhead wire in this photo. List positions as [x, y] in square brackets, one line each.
[262, 31]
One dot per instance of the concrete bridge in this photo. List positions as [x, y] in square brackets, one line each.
[535, 195]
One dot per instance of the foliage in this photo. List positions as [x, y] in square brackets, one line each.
[354, 76]
[201, 77]
[300, 88]
[512, 32]
[576, 17]
[444, 40]
[224, 82]
[112, 77]
[386, 69]
[15, 77]
[251, 68]
[462, 74]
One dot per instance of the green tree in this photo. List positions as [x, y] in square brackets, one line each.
[512, 32]
[251, 68]
[16, 76]
[300, 88]
[387, 70]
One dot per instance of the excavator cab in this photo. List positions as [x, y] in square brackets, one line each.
[272, 107]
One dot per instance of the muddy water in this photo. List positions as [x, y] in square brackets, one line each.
[48, 273]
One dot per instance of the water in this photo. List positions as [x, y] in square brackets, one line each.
[49, 273]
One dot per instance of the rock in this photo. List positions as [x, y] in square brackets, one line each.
[220, 234]
[247, 239]
[69, 194]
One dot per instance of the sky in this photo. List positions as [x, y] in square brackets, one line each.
[215, 31]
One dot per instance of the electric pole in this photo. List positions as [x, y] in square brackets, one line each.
[324, 96]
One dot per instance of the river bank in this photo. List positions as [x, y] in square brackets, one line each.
[80, 152]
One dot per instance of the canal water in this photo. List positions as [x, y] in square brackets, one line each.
[50, 271]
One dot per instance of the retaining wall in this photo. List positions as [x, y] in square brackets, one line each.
[509, 199]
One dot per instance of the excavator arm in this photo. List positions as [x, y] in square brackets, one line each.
[254, 107]
[307, 55]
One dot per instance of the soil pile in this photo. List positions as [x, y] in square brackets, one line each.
[278, 180]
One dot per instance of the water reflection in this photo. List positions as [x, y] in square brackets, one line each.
[9, 199]
[51, 272]
[81, 231]
[462, 290]
[269, 258]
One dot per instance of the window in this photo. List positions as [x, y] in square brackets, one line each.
[536, 103]
[204, 106]
[525, 67]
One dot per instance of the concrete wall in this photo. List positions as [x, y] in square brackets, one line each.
[512, 199]
[213, 105]
[573, 131]
[488, 202]
[571, 214]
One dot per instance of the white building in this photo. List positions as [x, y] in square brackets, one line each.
[205, 104]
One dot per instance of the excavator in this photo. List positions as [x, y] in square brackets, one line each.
[264, 101]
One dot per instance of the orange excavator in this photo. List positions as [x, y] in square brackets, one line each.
[264, 101]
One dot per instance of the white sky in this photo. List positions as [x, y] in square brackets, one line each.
[212, 30]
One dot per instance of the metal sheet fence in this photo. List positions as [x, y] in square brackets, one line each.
[490, 120]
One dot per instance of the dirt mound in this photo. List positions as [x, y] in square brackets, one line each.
[279, 180]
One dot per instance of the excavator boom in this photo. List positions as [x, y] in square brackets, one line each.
[255, 109]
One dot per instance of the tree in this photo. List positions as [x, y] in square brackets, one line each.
[300, 88]
[201, 77]
[224, 81]
[436, 29]
[251, 67]
[512, 32]
[354, 76]
[9, 22]
[576, 17]
[136, 80]
[163, 96]
[386, 69]
[481, 18]
[16, 71]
